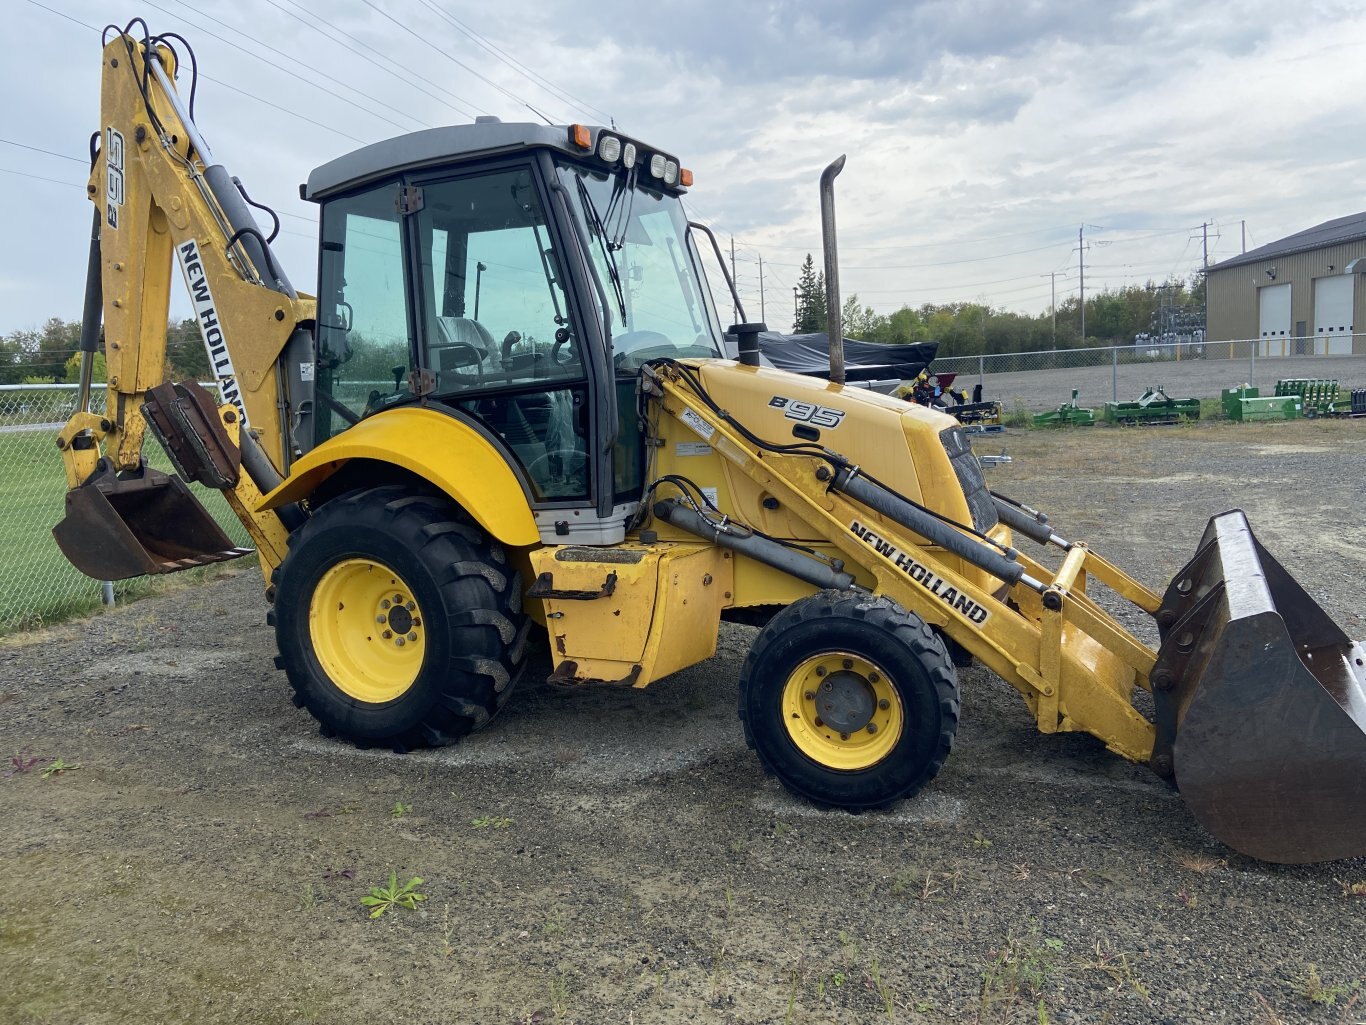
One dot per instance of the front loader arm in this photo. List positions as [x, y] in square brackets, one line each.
[153, 188]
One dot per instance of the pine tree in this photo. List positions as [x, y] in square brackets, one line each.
[810, 299]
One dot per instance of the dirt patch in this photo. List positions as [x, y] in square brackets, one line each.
[616, 856]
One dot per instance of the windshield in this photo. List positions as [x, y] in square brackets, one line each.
[649, 269]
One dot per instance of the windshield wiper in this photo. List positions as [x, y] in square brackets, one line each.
[607, 254]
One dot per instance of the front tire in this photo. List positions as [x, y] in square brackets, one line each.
[849, 700]
[399, 622]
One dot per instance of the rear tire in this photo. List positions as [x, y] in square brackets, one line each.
[849, 700]
[399, 621]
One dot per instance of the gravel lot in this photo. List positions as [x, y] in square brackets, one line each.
[611, 856]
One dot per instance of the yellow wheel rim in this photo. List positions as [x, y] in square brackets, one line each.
[842, 712]
[367, 630]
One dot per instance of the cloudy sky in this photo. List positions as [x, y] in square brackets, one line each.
[981, 134]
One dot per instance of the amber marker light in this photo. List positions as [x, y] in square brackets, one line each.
[580, 136]
[685, 178]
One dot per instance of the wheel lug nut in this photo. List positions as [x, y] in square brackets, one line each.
[820, 670]
[872, 727]
[827, 686]
[416, 621]
[873, 677]
[810, 695]
[412, 636]
[884, 704]
[385, 603]
[399, 642]
[398, 599]
[410, 605]
[388, 634]
[848, 663]
[381, 619]
[819, 722]
[844, 736]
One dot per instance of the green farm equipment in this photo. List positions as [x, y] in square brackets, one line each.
[1320, 396]
[1069, 414]
[1154, 406]
[1247, 403]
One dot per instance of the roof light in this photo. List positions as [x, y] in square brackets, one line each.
[685, 177]
[580, 136]
[628, 155]
[657, 165]
[671, 172]
[609, 148]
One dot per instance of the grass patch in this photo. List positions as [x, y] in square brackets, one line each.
[41, 586]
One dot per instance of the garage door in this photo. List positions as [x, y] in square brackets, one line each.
[1333, 314]
[1273, 302]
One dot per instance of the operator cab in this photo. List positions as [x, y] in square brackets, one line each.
[516, 277]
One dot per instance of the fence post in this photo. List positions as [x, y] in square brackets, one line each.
[1114, 373]
[1252, 372]
[107, 592]
[981, 372]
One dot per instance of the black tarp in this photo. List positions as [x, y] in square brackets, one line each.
[863, 361]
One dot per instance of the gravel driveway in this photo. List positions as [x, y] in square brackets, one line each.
[618, 856]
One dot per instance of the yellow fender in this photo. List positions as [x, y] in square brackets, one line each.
[440, 449]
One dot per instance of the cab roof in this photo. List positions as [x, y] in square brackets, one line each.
[435, 146]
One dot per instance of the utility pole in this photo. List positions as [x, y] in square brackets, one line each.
[796, 309]
[763, 316]
[734, 310]
[1204, 229]
[1081, 273]
[1053, 303]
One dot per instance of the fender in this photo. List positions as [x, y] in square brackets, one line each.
[444, 450]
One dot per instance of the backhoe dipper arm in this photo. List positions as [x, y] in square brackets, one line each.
[159, 193]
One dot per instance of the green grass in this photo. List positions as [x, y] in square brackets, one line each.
[41, 587]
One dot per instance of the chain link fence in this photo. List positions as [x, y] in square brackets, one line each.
[40, 585]
[1037, 381]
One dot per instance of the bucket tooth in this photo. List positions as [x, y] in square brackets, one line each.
[1260, 705]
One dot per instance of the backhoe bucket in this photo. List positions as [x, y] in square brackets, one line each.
[1261, 705]
[143, 523]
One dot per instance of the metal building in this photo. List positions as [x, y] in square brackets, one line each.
[1297, 296]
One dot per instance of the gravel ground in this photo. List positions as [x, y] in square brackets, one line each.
[611, 856]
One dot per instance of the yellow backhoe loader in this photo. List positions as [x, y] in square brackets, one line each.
[507, 411]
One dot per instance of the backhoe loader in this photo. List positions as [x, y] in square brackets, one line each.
[507, 411]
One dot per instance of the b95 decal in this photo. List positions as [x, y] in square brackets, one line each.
[807, 412]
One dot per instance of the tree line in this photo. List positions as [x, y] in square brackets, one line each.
[1113, 317]
[51, 354]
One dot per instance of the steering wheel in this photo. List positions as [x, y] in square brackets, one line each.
[571, 461]
[466, 354]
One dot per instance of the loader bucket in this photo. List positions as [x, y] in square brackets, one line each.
[1260, 705]
[143, 523]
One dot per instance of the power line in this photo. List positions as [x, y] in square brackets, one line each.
[408, 81]
[287, 71]
[563, 95]
[210, 78]
[427, 42]
[51, 153]
[39, 177]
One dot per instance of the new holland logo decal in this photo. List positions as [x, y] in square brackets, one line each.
[922, 575]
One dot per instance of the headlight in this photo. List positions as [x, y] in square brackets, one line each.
[628, 156]
[657, 165]
[609, 148]
[670, 173]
